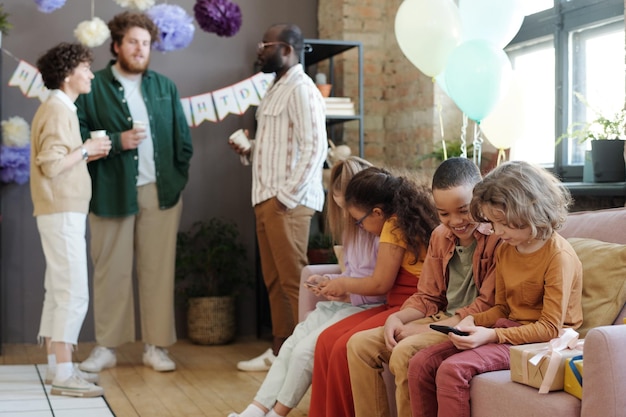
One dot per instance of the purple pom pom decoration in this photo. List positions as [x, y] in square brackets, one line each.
[175, 27]
[221, 17]
[48, 6]
[14, 164]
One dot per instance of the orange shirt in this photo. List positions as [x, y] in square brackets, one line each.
[541, 290]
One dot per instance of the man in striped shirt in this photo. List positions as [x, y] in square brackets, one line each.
[287, 156]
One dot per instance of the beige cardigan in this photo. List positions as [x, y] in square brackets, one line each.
[55, 133]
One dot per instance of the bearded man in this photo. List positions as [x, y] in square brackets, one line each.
[136, 203]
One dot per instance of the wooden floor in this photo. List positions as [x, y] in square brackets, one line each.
[205, 383]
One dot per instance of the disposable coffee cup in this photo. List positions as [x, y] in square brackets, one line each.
[240, 139]
[139, 124]
[98, 134]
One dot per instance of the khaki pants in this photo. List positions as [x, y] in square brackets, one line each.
[366, 354]
[149, 238]
[283, 237]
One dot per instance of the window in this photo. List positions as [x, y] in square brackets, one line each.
[567, 46]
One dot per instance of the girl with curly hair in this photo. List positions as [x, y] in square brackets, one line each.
[403, 214]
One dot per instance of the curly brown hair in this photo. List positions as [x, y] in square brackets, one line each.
[411, 202]
[121, 23]
[60, 61]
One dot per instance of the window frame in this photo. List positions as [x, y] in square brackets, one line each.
[566, 16]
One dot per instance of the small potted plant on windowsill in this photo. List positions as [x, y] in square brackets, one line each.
[211, 269]
[607, 134]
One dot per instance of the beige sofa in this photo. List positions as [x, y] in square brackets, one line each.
[604, 296]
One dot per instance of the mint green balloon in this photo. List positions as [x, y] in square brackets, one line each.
[477, 76]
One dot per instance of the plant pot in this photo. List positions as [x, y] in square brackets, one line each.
[320, 256]
[588, 168]
[211, 320]
[325, 89]
[608, 160]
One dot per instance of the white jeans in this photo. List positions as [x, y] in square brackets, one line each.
[67, 295]
[290, 375]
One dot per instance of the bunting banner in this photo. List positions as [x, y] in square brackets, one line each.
[213, 106]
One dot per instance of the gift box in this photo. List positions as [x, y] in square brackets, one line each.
[573, 382]
[542, 365]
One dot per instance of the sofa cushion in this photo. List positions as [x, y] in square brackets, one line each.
[493, 394]
[604, 281]
[606, 225]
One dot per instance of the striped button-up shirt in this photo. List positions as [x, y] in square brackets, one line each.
[291, 144]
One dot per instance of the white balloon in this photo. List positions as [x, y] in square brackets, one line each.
[497, 21]
[506, 124]
[427, 32]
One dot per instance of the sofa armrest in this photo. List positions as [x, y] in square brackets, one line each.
[604, 372]
[306, 299]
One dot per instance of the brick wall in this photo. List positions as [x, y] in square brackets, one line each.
[401, 105]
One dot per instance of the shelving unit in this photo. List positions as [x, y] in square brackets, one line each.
[318, 50]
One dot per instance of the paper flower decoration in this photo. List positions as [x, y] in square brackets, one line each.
[15, 152]
[92, 32]
[136, 4]
[48, 6]
[219, 16]
[175, 27]
[15, 132]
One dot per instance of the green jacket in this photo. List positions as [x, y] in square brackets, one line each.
[114, 178]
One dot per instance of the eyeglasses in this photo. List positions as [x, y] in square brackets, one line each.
[262, 45]
[359, 222]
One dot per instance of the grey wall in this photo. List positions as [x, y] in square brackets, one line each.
[218, 186]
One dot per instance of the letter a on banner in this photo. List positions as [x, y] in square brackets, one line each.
[246, 95]
[23, 76]
[225, 102]
[202, 108]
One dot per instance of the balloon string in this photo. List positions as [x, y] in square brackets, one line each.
[92, 9]
[443, 141]
[501, 156]
[478, 144]
[463, 141]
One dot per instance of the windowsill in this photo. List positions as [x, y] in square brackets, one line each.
[599, 189]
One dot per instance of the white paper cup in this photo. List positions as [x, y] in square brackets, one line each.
[139, 124]
[98, 134]
[240, 139]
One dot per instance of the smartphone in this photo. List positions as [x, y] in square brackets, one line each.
[448, 329]
[311, 284]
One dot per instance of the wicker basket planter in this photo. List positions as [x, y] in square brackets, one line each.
[211, 320]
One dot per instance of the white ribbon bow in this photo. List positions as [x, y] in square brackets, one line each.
[568, 339]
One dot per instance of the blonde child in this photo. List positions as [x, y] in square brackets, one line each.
[289, 376]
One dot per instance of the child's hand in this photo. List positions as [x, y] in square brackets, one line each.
[478, 336]
[392, 326]
[312, 283]
[332, 288]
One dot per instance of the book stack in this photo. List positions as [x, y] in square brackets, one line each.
[339, 106]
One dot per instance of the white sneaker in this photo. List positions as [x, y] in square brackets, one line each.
[75, 386]
[99, 359]
[258, 364]
[158, 359]
[87, 376]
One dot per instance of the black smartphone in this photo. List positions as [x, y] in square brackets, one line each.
[448, 329]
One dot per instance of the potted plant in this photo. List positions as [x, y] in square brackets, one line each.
[320, 249]
[211, 269]
[607, 134]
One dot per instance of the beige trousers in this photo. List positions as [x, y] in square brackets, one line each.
[366, 354]
[148, 238]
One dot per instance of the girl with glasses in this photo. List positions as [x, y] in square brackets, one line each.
[402, 213]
